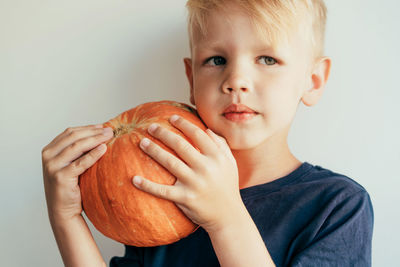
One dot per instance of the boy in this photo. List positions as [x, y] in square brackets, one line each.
[252, 63]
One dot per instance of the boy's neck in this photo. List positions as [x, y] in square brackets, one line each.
[265, 163]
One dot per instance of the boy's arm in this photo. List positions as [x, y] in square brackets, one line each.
[65, 158]
[240, 243]
[76, 243]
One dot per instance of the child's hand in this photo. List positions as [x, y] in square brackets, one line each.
[207, 186]
[63, 161]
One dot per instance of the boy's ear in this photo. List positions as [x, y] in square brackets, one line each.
[319, 77]
[189, 75]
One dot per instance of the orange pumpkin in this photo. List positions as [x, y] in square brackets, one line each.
[113, 204]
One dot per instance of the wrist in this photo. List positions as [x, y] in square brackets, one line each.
[60, 219]
[239, 243]
[233, 219]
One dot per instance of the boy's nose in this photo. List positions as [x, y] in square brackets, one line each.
[235, 84]
[230, 90]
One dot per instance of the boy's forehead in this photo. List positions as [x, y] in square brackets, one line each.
[222, 29]
[243, 36]
[234, 26]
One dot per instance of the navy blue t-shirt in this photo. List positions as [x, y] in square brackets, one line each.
[310, 217]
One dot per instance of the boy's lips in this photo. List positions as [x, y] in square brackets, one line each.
[238, 108]
[239, 113]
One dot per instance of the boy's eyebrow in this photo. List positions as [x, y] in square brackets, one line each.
[221, 46]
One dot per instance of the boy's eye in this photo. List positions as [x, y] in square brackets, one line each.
[218, 60]
[215, 61]
[268, 60]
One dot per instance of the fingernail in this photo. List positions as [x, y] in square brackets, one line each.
[101, 147]
[145, 142]
[174, 118]
[108, 131]
[137, 180]
[152, 127]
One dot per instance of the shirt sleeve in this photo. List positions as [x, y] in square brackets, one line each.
[344, 238]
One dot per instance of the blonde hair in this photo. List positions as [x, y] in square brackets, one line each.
[273, 19]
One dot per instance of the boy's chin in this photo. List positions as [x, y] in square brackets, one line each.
[241, 144]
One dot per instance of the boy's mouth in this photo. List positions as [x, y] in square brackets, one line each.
[238, 108]
[239, 113]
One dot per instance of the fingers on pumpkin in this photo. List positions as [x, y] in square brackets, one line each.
[71, 137]
[159, 190]
[80, 165]
[173, 164]
[181, 146]
[76, 149]
[69, 130]
[200, 139]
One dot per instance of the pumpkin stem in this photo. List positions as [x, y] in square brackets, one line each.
[123, 129]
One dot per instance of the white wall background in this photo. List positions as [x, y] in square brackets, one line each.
[70, 63]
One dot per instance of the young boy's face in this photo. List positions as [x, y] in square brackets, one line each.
[231, 64]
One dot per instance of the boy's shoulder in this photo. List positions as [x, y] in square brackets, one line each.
[308, 181]
[329, 180]
[320, 188]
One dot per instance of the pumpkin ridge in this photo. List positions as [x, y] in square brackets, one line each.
[121, 215]
[105, 199]
[172, 227]
[108, 222]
